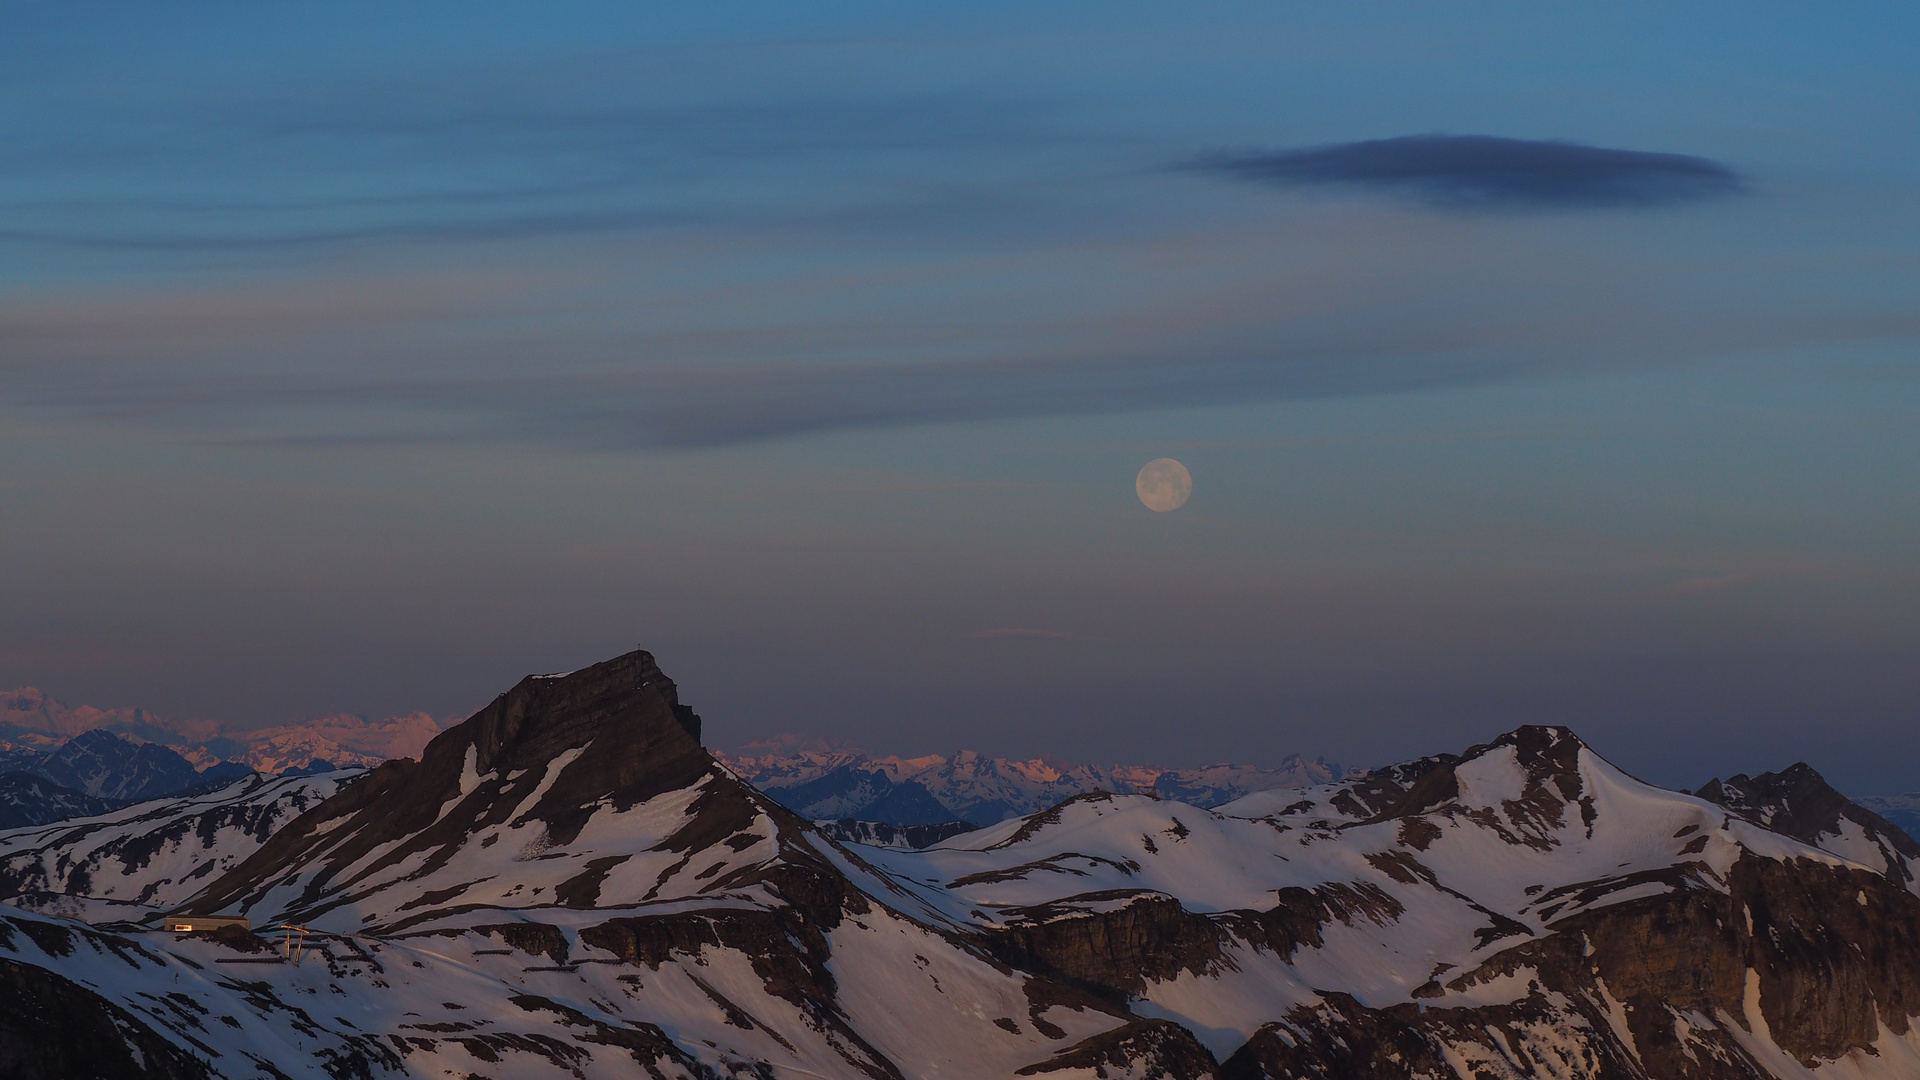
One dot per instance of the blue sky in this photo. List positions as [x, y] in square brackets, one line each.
[1548, 365]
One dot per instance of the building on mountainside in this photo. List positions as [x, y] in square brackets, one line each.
[194, 924]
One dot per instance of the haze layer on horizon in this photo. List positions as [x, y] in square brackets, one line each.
[1531, 366]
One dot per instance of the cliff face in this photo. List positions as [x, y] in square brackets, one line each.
[567, 885]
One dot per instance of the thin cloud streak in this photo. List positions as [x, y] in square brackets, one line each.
[1478, 173]
[504, 227]
[515, 159]
[776, 403]
[702, 408]
[711, 406]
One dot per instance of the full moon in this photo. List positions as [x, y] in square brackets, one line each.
[1164, 484]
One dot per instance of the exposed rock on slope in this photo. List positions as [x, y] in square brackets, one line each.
[881, 834]
[567, 885]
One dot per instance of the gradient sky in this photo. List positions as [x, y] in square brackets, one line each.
[1532, 365]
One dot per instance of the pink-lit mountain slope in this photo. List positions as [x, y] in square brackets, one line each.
[32, 721]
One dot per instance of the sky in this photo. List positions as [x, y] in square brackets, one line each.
[1532, 365]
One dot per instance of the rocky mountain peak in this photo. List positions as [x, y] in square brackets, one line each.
[1528, 775]
[1798, 802]
[540, 760]
[1798, 795]
[625, 707]
[104, 765]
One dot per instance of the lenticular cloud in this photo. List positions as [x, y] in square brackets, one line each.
[1485, 172]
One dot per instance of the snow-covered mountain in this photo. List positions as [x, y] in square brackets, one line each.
[140, 861]
[568, 885]
[106, 766]
[966, 786]
[343, 740]
[94, 772]
[29, 715]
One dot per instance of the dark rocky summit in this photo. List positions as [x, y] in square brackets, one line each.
[1798, 802]
[613, 734]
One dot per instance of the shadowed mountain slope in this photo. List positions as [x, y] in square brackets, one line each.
[31, 799]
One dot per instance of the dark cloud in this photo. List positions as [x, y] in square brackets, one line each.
[1486, 172]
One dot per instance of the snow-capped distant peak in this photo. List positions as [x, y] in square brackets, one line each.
[972, 787]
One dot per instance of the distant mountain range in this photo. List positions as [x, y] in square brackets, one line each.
[1902, 810]
[59, 761]
[97, 771]
[30, 721]
[839, 785]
